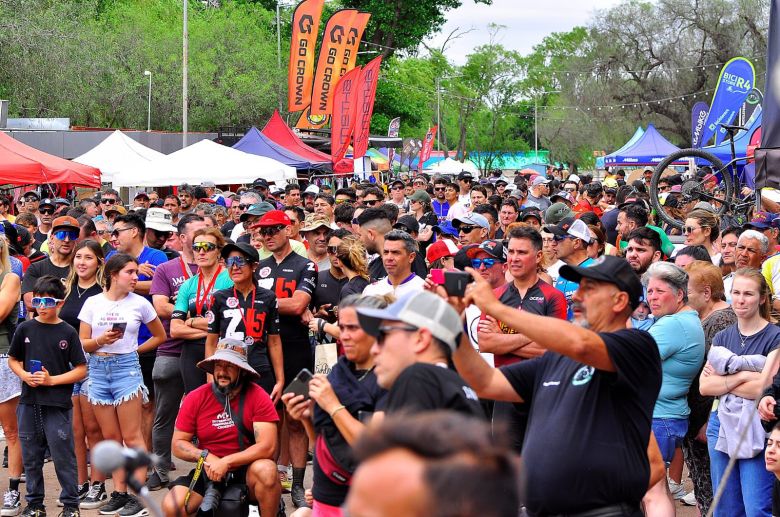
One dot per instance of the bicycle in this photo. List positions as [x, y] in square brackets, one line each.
[693, 189]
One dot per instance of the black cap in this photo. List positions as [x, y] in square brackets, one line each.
[530, 211]
[245, 249]
[408, 223]
[613, 270]
[493, 247]
[47, 201]
[398, 181]
[465, 175]
[141, 194]
[260, 183]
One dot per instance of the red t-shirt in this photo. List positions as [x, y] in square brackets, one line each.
[202, 415]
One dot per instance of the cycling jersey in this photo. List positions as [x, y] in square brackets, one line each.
[567, 287]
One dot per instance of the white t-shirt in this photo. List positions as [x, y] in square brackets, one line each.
[473, 315]
[413, 284]
[236, 232]
[465, 199]
[554, 270]
[101, 314]
[457, 210]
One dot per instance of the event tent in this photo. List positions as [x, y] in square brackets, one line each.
[648, 150]
[21, 164]
[207, 160]
[631, 141]
[254, 142]
[276, 130]
[117, 153]
[450, 166]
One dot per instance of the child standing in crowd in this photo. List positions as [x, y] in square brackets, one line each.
[46, 354]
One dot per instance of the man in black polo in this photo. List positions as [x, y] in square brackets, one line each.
[591, 395]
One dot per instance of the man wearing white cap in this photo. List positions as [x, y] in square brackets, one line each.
[572, 237]
[415, 339]
[160, 228]
[211, 191]
[538, 192]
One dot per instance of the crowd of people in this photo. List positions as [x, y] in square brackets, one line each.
[587, 362]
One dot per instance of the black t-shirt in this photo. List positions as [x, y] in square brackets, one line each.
[609, 221]
[328, 290]
[42, 268]
[354, 286]
[776, 497]
[170, 253]
[39, 237]
[294, 273]
[57, 346]
[74, 302]
[586, 441]
[427, 387]
[226, 318]
[227, 228]
[376, 269]
[37, 256]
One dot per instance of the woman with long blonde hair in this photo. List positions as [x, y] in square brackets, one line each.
[352, 255]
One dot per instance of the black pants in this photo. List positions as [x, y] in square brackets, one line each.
[192, 352]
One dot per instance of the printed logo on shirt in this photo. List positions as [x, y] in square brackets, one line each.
[63, 344]
[264, 272]
[209, 317]
[222, 421]
[232, 302]
[470, 393]
[583, 376]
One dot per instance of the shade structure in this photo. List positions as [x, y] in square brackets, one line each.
[21, 164]
[118, 153]
[280, 134]
[450, 166]
[379, 159]
[254, 142]
[207, 160]
[631, 141]
[648, 150]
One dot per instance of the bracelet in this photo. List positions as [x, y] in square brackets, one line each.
[333, 413]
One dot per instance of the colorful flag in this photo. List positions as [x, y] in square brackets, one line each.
[330, 59]
[427, 147]
[734, 84]
[354, 36]
[392, 130]
[307, 121]
[698, 116]
[365, 105]
[305, 29]
[345, 96]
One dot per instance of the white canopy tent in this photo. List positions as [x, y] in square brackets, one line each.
[118, 153]
[207, 160]
[450, 166]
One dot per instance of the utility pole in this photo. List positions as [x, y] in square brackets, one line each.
[438, 115]
[536, 130]
[184, 96]
[279, 47]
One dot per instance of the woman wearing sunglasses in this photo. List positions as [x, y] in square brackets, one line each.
[342, 400]
[701, 229]
[188, 321]
[84, 281]
[109, 327]
[10, 384]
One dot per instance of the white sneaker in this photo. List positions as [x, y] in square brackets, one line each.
[689, 499]
[677, 490]
[12, 504]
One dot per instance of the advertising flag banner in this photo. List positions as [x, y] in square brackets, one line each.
[427, 147]
[354, 36]
[734, 84]
[307, 121]
[305, 28]
[392, 130]
[345, 96]
[698, 116]
[330, 59]
[365, 105]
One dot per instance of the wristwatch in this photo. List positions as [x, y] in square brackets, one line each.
[204, 454]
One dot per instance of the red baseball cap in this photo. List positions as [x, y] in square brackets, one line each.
[273, 218]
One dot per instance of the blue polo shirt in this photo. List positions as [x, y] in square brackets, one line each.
[567, 287]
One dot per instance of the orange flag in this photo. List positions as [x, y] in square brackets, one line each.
[306, 25]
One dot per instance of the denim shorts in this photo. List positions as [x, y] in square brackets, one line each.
[81, 388]
[669, 433]
[10, 384]
[114, 379]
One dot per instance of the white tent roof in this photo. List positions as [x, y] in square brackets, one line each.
[206, 160]
[450, 166]
[118, 152]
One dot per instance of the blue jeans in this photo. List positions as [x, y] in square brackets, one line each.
[669, 433]
[114, 379]
[748, 489]
[39, 425]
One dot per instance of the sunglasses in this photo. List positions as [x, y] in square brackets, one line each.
[339, 201]
[30, 199]
[385, 330]
[45, 302]
[238, 262]
[242, 206]
[396, 188]
[117, 231]
[332, 250]
[478, 262]
[689, 229]
[203, 246]
[270, 230]
[161, 234]
[439, 188]
[70, 235]
[370, 202]
[559, 238]
[467, 229]
[108, 201]
[47, 211]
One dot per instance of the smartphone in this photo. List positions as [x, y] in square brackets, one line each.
[119, 327]
[35, 366]
[455, 282]
[437, 276]
[300, 384]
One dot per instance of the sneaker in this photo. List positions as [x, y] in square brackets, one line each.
[5, 457]
[34, 511]
[12, 504]
[133, 508]
[156, 482]
[689, 500]
[83, 489]
[117, 502]
[70, 511]
[95, 498]
[285, 481]
[677, 490]
[298, 496]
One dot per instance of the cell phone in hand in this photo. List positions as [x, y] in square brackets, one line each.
[300, 384]
[35, 366]
[119, 327]
[455, 282]
[437, 276]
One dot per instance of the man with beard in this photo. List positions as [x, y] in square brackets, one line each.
[630, 217]
[315, 230]
[235, 422]
[187, 200]
[159, 228]
[572, 237]
[373, 224]
[644, 248]
[46, 209]
[62, 241]
[439, 204]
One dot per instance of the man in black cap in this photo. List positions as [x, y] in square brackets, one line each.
[592, 395]
[465, 180]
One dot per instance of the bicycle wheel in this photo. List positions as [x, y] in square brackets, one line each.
[693, 189]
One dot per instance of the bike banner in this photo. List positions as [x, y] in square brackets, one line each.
[427, 147]
[365, 105]
[737, 78]
[354, 36]
[305, 28]
[345, 113]
[307, 121]
[753, 101]
[329, 61]
[392, 130]
[698, 116]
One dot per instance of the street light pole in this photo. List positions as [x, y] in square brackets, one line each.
[149, 106]
[536, 130]
[184, 96]
[438, 115]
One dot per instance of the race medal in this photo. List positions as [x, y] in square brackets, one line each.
[232, 302]
[249, 340]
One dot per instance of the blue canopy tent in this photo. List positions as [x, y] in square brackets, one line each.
[648, 150]
[254, 142]
[601, 160]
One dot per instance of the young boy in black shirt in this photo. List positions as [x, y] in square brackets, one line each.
[46, 354]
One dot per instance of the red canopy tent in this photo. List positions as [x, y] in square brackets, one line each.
[21, 164]
[277, 130]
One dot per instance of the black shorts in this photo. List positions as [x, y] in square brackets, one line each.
[236, 476]
[297, 358]
[147, 365]
[267, 379]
